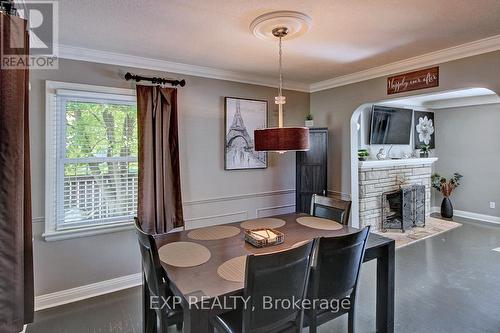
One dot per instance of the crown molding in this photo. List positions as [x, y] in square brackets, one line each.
[120, 59]
[481, 46]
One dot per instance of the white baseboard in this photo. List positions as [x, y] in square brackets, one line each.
[471, 215]
[90, 290]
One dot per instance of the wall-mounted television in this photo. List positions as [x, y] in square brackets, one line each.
[390, 126]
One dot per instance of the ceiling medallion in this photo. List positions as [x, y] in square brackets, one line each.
[296, 22]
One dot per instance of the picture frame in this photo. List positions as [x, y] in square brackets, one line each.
[424, 129]
[242, 116]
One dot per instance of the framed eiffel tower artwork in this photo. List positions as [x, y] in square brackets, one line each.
[241, 118]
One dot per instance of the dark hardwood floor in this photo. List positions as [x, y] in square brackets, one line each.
[447, 283]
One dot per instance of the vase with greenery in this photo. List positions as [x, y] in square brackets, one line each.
[424, 151]
[309, 120]
[446, 187]
[363, 154]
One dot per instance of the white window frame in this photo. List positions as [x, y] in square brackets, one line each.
[52, 88]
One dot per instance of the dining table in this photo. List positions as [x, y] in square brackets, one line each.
[200, 286]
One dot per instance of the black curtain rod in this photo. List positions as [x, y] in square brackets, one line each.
[154, 80]
[8, 6]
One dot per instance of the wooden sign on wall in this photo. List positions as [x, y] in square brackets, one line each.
[421, 79]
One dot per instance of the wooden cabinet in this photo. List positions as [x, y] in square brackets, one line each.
[312, 170]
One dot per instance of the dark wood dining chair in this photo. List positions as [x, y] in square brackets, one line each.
[157, 281]
[334, 277]
[331, 208]
[279, 275]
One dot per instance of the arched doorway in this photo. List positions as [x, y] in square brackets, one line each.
[465, 96]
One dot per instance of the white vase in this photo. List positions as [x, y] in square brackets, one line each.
[309, 123]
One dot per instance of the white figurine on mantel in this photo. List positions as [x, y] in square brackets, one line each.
[381, 154]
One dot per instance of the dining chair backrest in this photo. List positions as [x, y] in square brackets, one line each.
[336, 266]
[153, 272]
[331, 208]
[280, 275]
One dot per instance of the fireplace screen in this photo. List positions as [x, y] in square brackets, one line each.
[403, 208]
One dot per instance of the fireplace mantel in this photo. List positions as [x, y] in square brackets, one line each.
[407, 162]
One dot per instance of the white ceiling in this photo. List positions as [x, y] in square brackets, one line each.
[346, 36]
[456, 98]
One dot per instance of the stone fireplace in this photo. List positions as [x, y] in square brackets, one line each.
[378, 177]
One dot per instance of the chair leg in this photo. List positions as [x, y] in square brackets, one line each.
[313, 325]
[148, 315]
[350, 321]
[211, 327]
[159, 325]
[164, 324]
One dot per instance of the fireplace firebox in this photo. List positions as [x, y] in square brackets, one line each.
[403, 208]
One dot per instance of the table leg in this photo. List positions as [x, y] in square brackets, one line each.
[148, 315]
[196, 321]
[385, 290]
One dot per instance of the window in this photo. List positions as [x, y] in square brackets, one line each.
[92, 169]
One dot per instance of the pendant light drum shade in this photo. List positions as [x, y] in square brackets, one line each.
[282, 139]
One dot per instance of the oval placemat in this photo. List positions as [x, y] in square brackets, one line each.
[233, 270]
[184, 254]
[267, 222]
[319, 223]
[214, 233]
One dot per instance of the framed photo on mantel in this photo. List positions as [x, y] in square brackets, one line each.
[425, 129]
[242, 118]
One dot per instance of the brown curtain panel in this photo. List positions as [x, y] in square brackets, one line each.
[16, 251]
[160, 204]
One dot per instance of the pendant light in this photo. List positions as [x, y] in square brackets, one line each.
[281, 139]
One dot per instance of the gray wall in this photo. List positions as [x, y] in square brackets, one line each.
[71, 263]
[334, 107]
[467, 141]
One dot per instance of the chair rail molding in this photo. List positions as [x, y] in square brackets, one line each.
[210, 220]
[238, 197]
[275, 210]
[204, 212]
[239, 207]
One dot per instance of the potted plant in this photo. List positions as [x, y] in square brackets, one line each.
[309, 120]
[424, 151]
[363, 154]
[446, 187]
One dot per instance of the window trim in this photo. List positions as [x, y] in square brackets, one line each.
[83, 90]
